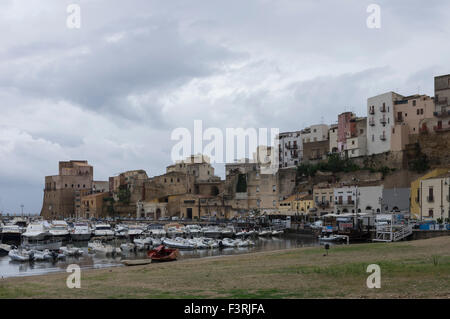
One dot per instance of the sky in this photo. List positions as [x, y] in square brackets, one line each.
[112, 91]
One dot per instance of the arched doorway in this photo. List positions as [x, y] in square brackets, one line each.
[158, 214]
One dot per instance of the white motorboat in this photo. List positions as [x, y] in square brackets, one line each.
[37, 231]
[42, 255]
[178, 242]
[135, 230]
[277, 232]
[59, 230]
[99, 248]
[332, 237]
[11, 233]
[229, 243]
[81, 232]
[263, 233]
[193, 230]
[227, 232]
[71, 251]
[175, 231]
[143, 243]
[211, 243]
[212, 232]
[103, 230]
[20, 255]
[156, 231]
[121, 231]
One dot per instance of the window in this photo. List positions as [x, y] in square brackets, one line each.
[418, 111]
[274, 188]
[414, 102]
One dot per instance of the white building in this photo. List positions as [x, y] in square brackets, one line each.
[345, 200]
[380, 120]
[369, 199]
[290, 149]
[315, 133]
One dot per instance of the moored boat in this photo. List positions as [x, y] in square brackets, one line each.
[162, 254]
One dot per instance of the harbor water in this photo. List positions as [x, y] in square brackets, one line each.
[10, 268]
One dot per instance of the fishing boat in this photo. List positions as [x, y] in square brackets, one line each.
[227, 232]
[99, 248]
[156, 230]
[162, 254]
[81, 232]
[127, 247]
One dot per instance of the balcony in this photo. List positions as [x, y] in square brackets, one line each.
[383, 137]
[383, 120]
[292, 147]
[382, 109]
[430, 199]
[323, 204]
[372, 110]
[372, 122]
[439, 129]
[399, 120]
[442, 101]
[443, 113]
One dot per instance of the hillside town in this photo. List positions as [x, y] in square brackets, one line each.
[395, 158]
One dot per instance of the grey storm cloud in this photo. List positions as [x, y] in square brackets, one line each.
[112, 91]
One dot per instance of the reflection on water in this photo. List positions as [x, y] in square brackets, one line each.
[10, 268]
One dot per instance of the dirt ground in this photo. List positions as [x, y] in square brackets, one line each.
[410, 269]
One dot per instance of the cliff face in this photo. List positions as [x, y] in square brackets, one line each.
[436, 147]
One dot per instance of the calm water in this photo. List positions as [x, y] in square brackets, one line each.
[10, 268]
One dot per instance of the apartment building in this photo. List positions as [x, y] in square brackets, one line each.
[345, 199]
[356, 143]
[323, 199]
[441, 121]
[435, 197]
[290, 149]
[380, 120]
[416, 194]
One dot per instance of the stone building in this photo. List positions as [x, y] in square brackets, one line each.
[62, 192]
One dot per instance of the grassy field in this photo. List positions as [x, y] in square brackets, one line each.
[414, 269]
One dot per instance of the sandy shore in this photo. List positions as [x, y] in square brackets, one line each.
[413, 269]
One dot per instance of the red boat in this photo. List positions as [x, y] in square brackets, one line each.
[163, 254]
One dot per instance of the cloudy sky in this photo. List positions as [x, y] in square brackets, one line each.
[113, 91]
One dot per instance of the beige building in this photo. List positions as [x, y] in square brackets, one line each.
[323, 195]
[435, 197]
[92, 206]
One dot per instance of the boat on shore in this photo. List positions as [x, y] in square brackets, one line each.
[163, 254]
[5, 249]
